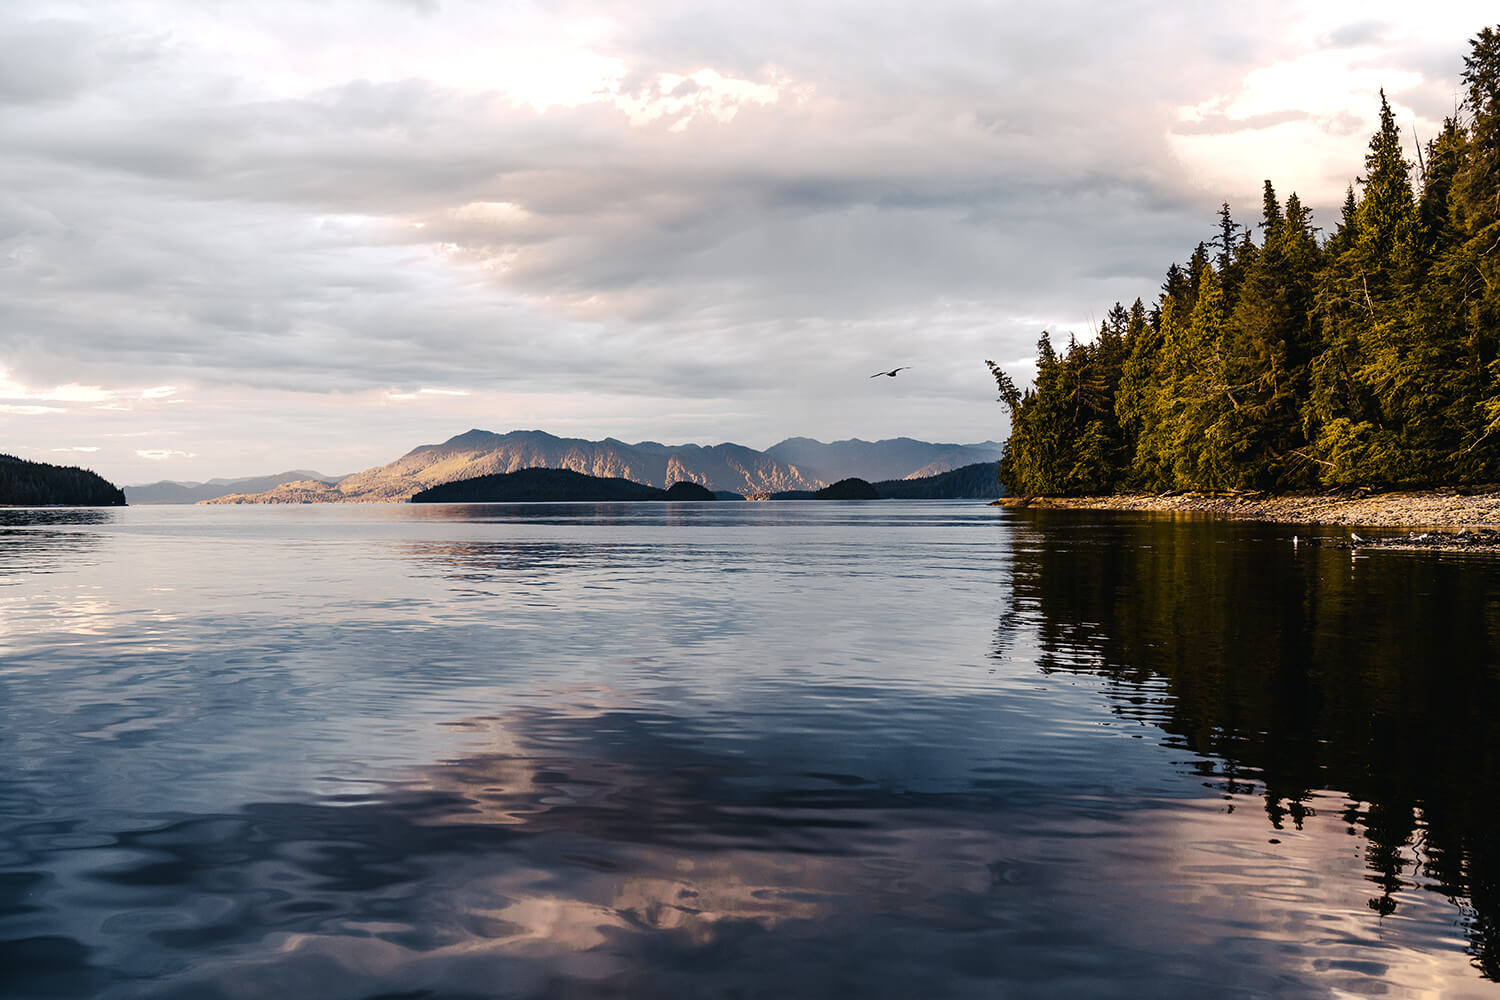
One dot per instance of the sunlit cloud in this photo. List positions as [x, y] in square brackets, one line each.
[703, 94]
[1297, 120]
[70, 393]
[427, 391]
[162, 454]
[29, 411]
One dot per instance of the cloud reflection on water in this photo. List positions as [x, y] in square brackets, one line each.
[609, 854]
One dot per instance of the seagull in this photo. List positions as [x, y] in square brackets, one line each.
[892, 372]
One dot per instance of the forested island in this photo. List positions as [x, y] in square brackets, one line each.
[554, 485]
[37, 484]
[1276, 360]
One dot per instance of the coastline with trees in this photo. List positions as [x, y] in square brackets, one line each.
[1276, 364]
[37, 484]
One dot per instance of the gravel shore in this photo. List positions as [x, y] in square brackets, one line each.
[1446, 509]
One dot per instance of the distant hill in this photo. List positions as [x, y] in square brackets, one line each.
[894, 458]
[37, 484]
[729, 468]
[556, 486]
[972, 482]
[847, 489]
[167, 491]
[979, 481]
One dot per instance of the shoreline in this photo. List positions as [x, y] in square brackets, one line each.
[1450, 508]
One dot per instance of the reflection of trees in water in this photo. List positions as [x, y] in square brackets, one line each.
[1379, 678]
[29, 517]
[39, 539]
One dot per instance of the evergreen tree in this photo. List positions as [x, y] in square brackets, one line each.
[1201, 454]
[1355, 404]
[1474, 265]
[1266, 350]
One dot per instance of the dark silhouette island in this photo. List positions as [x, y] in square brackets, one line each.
[972, 482]
[847, 489]
[554, 485]
[977, 481]
[37, 484]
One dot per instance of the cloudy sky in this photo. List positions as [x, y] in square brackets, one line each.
[237, 238]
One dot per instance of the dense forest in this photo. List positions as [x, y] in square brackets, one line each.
[37, 484]
[1276, 359]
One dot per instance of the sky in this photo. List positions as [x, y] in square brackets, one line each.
[240, 238]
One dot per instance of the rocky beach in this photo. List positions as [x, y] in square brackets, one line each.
[1449, 518]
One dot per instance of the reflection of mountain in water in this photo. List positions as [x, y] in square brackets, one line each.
[1378, 678]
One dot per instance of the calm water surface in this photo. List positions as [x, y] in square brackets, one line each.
[743, 750]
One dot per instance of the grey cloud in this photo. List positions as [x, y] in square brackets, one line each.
[46, 62]
[1358, 33]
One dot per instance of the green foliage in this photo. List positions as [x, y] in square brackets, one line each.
[37, 484]
[1371, 358]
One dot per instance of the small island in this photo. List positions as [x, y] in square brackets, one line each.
[852, 488]
[555, 486]
[37, 484]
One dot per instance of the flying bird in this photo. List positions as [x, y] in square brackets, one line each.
[892, 372]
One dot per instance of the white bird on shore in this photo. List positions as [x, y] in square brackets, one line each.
[892, 372]
[1356, 539]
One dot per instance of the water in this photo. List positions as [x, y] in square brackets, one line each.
[741, 750]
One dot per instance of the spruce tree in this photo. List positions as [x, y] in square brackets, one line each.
[1354, 403]
[1474, 265]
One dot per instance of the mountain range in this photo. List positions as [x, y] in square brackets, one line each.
[793, 464]
[170, 491]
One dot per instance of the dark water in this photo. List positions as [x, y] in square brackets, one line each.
[740, 750]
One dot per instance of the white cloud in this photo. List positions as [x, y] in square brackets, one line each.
[162, 454]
